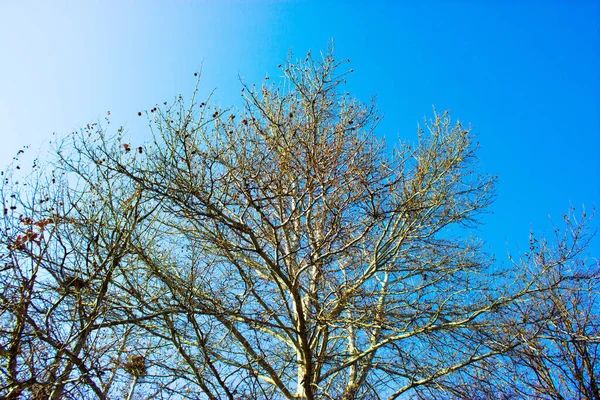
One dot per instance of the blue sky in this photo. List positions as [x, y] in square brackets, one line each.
[524, 74]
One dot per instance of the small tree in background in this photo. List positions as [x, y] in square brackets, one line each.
[557, 329]
[277, 251]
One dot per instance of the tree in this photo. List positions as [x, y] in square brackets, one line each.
[561, 356]
[61, 263]
[277, 251]
[558, 328]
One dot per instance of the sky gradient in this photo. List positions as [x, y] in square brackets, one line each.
[525, 75]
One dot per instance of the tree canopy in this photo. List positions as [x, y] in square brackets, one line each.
[282, 250]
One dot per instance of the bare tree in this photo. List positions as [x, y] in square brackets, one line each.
[277, 251]
[556, 327]
[559, 326]
[63, 243]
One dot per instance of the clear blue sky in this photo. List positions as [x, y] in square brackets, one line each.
[525, 74]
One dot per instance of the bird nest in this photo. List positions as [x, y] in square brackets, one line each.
[136, 365]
